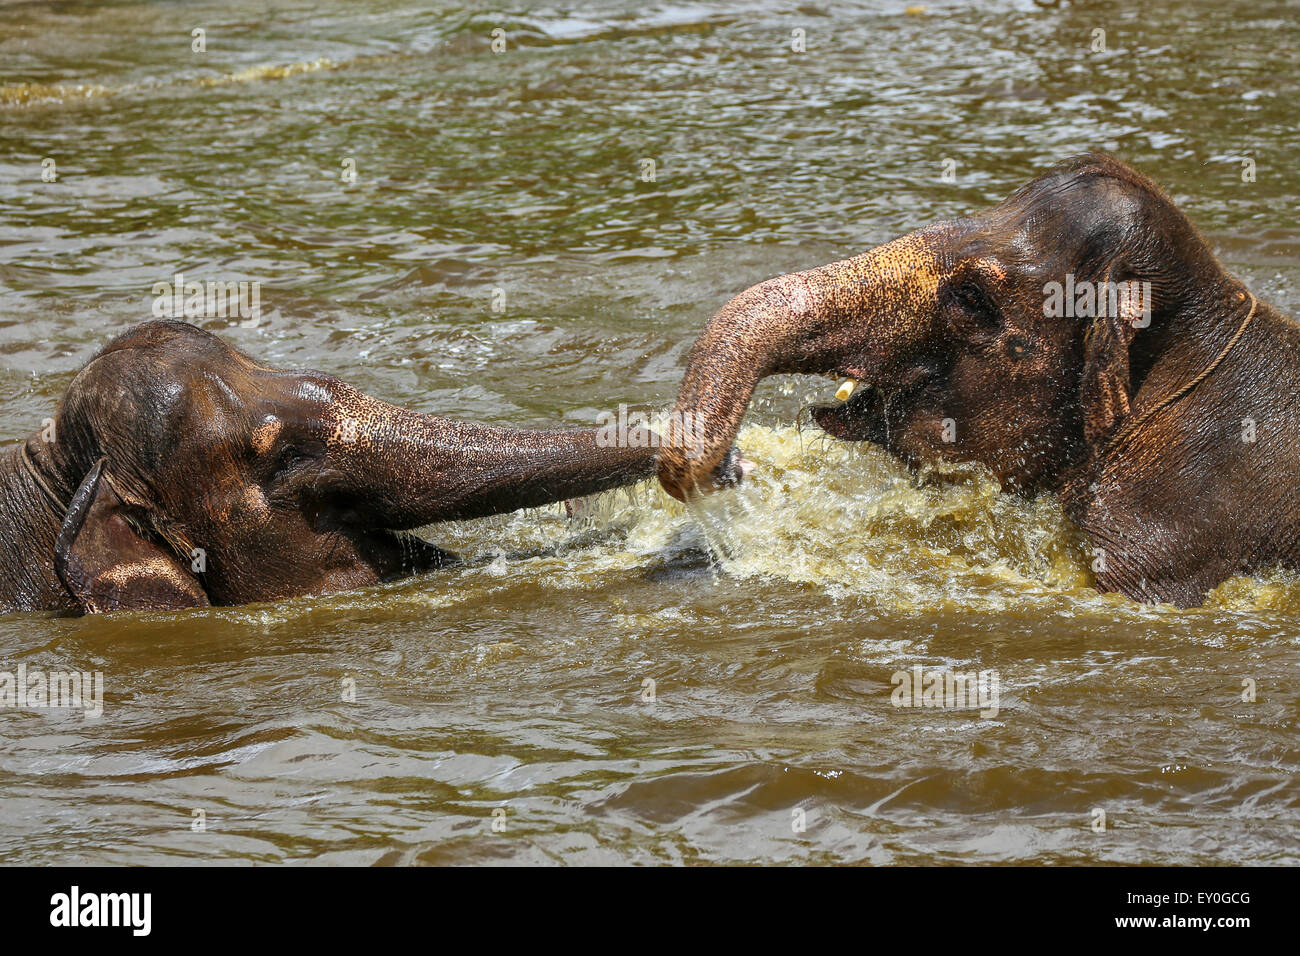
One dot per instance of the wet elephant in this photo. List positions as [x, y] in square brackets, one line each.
[180, 472]
[1079, 338]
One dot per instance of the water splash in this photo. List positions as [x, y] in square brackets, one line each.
[848, 519]
[27, 94]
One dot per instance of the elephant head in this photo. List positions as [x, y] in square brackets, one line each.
[1080, 337]
[194, 475]
[951, 340]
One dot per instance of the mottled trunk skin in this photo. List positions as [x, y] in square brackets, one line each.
[411, 469]
[790, 324]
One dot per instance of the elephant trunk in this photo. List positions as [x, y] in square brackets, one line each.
[856, 318]
[399, 469]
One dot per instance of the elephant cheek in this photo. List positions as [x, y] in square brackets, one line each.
[245, 512]
[839, 423]
[858, 419]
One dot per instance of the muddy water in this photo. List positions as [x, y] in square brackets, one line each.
[516, 690]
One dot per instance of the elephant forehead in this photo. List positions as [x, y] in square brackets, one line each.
[908, 267]
[265, 434]
[992, 267]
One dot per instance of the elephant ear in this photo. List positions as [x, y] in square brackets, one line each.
[107, 563]
[1105, 386]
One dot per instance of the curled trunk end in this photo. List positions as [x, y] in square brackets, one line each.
[852, 318]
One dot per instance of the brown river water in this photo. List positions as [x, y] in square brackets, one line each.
[502, 712]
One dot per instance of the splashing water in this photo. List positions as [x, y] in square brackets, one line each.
[849, 519]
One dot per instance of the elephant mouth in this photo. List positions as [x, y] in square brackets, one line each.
[872, 413]
[861, 418]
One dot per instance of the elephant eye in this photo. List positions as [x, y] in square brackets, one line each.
[973, 300]
[290, 457]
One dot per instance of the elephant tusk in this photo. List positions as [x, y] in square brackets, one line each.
[846, 389]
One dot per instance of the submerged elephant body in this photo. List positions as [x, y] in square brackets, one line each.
[181, 473]
[1163, 406]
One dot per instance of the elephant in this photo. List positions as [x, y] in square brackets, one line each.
[1079, 339]
[178, 473]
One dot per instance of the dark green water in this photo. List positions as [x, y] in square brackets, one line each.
[516, 685]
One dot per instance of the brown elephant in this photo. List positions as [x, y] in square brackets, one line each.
[1079, 338]
[179, 473]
